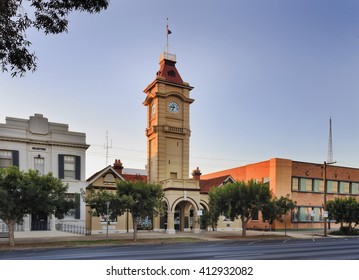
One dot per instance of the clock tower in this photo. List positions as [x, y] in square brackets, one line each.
[168, 132]
[168, 123]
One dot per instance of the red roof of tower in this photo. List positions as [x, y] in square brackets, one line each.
[168, 69]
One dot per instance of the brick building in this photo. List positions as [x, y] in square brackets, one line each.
[304, 182]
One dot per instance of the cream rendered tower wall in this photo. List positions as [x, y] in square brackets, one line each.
[168, 132]
[168, 123]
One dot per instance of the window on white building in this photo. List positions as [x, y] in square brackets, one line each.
[5, 158]
[9, 158]
[39, 165]
[70, 167]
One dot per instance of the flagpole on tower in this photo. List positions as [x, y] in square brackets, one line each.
[167, 33]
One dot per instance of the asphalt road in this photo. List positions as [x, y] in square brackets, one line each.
[288, 249]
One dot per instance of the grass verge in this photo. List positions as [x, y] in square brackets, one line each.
[97, 242]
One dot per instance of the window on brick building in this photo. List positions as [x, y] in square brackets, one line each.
[295, 184]
[318, 185]
[344, 187]
[305, 185]
[304, 214]
[354, 188]
[332, 186]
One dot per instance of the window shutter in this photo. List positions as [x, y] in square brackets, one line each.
[78, 168]
[15, 158]
[61, 167]
[77, 206]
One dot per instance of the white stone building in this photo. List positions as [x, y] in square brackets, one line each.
[36, 143]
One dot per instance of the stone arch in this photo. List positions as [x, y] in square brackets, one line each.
[182, 198]
[182, 215]
[204, 204]
[165, 200]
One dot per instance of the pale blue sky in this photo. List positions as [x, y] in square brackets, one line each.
[267, 75]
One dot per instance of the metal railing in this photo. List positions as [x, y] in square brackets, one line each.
[76, 229]
[4, 227]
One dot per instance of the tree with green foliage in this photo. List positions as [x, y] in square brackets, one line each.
[140, 199]
[98, 199]
[217, 205]
[50, 16]
[275, 209]
[270, 212]
[344, 211]
[240, 200]
[285, 205]
[23, 193]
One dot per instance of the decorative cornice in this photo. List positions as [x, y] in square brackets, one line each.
[163, 81]
[45, 143]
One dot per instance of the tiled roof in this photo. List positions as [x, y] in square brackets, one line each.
[207, 185]
[169, 71]
[135, 177]
[128, 177]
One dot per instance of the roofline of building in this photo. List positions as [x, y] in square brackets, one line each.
[45, 143]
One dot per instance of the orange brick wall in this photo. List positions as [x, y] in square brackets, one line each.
[312, 170]
[257, 171]
[280, 172]
[238, 173]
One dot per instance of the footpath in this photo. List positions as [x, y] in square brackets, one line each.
[36, 237]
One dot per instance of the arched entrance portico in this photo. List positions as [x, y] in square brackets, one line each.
[183, 216]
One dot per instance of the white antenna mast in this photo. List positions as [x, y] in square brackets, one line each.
[330, 158]
[107, 147]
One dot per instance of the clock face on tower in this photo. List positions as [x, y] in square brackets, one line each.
[173, 107]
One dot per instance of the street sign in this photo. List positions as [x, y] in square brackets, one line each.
[200, 212]
[326, 214]
[312, 213]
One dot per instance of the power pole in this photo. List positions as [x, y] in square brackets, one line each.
[330, 161]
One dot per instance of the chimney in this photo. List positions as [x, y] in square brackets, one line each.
[118, 166]
[196, 174]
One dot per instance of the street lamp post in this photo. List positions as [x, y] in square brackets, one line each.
[107, 218]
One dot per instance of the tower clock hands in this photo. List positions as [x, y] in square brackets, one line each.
[173, 107]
